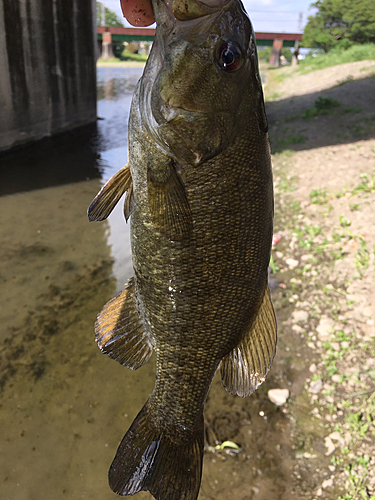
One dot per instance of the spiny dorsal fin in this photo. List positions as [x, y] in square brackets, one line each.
[108, 197]
[169, 206]
[245, 368]
[120, 332]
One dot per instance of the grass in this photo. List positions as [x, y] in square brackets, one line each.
[334, 57]
[115, 62]
[319, 196]
[366, 186]
[322, 106]
[362, 257]
[128, 56]
[357, 473]
[288, 138]
[127, 59]
[327, 106]
[362, 127]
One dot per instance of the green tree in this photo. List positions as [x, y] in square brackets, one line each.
[110, 18]
[340, 23]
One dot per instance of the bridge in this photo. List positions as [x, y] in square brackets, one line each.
[106, 35]
[148, 34]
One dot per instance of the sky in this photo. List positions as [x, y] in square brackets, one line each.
[266, 15]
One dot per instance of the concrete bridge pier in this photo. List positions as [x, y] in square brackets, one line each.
[107, 49]
[47, 68]
[276, 52]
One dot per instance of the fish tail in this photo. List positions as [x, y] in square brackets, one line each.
[149, 459]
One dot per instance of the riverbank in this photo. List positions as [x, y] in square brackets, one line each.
[322, 129]
[116, 63]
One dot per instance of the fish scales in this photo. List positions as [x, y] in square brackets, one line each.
[199, 192]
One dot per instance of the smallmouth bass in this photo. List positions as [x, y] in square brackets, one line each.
[198, 189]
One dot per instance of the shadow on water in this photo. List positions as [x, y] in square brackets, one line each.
[296, 124]
[64, 406]
[67, 158]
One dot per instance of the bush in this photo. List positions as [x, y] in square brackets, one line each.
[265, 54]
[128, 56]
[132, 48]
[338, 56]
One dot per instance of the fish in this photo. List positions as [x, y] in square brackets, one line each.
[199, 194]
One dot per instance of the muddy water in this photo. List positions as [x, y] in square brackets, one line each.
[64, 406]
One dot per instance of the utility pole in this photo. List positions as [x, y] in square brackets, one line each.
[300, 19]
[103, 15]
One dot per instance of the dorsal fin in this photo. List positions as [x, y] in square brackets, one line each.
[120, 332]
[245, 368]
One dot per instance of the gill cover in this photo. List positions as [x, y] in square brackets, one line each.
[203, 70]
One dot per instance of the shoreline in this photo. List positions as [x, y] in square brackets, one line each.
[120, 64]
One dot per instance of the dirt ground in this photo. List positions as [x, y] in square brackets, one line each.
[322, 130]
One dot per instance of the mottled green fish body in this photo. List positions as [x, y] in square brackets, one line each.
[199, 192]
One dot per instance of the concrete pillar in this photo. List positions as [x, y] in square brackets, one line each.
[47, 68]
[276, 52]
[107, 50]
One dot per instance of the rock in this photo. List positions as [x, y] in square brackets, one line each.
[337, 437]
[325, 327]
[327, 483]
[291, 263]
[316, 386]
[336, 378]
[308, 455]
[297, 328]
[306, 257]
[278, 396]
[329, 445]
[312, 368]
[300, 316]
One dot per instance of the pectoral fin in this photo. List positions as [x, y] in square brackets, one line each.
[169, 206]
[120, 332]
[110, 194]
[245, 368]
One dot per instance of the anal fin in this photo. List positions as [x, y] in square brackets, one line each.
[169, 206]
[110, 194]
[120, 332]
[245, 368]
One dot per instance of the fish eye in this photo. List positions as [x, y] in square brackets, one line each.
[229, 56]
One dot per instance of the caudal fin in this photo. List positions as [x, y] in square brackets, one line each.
[150, 459]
